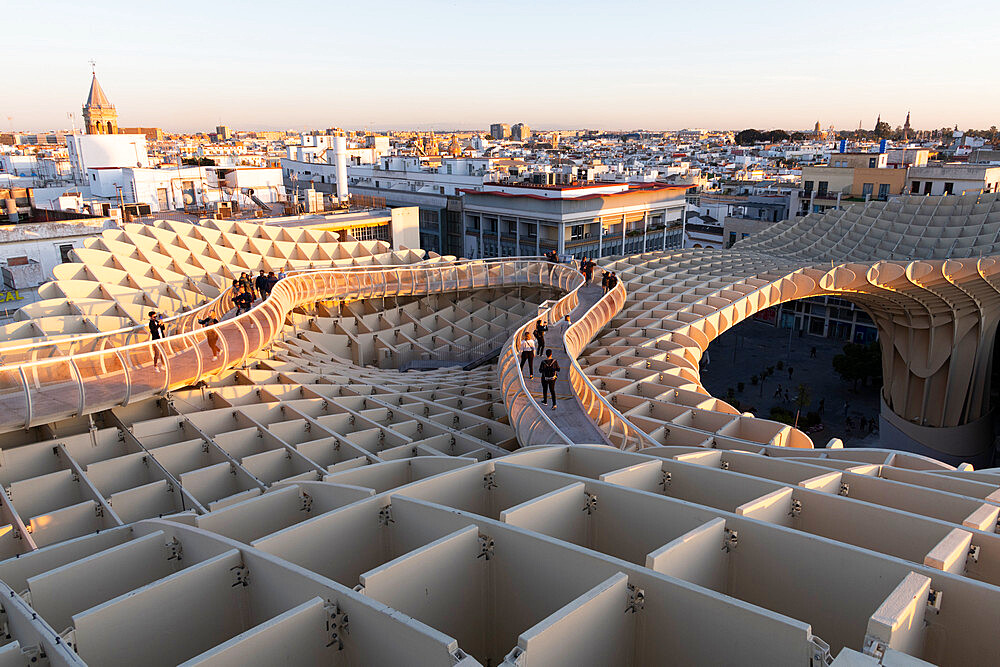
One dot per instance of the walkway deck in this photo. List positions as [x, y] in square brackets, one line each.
[569, 415]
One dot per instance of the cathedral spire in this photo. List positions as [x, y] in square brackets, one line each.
[99, 114]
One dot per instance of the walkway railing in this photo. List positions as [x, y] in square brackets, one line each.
[530, 422]
[119, 371]
[43, 390]
[617, 429]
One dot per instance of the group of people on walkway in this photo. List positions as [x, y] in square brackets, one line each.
[609, 280]
[533, 343]
[587, 269]
[245, 292]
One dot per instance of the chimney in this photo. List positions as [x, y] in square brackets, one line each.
[340, 157]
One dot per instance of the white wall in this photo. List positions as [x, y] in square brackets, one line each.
[106, 150]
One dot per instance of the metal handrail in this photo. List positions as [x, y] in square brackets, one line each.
[188, 316]
[46, 390]
[508, 366]
[617, 295]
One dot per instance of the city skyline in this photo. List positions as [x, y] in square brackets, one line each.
[442, 65]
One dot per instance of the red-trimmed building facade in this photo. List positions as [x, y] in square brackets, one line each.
[588, 219]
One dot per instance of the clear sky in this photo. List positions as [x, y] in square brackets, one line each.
[185, 66]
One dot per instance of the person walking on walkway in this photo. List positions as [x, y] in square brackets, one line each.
[604, 281]
[243, 301]
[588, 270]
[156, 332]
[549, 370]
[211, 335]
[260, 284]
[527, 349]
[271, 281]
[612, 281]
[246, 283]
[539, 332]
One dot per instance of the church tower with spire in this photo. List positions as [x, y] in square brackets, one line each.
[906, 127]
[99, 114]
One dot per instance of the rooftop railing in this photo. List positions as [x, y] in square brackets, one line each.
[56, 384]
[82, 375]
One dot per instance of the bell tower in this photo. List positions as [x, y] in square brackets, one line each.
[99, 114]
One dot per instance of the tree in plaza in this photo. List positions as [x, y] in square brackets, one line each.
[859, 363]
[802, 400]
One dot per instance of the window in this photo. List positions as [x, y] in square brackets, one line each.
[807, 186]
[576, 232]
[732, 239]
[915, 187]
[927, 187]
[823, 187]
[883, 191]
[64, 251]
[948, 187]
[866, 190]
[872, 162]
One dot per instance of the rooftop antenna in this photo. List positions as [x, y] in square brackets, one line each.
[93, 66]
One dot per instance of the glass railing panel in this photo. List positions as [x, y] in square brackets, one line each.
[104, 380]
[13, 402]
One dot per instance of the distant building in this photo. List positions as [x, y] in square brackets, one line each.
[520, 132]
[99, 114]
[500, 131]
[223, 133]
[151, 133]
[593, 219]
[954, 179]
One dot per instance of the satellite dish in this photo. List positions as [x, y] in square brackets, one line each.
[188, 199]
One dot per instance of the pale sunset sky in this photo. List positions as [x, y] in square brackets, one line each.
[187, 66]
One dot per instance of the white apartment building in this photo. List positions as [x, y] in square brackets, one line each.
[953, 179]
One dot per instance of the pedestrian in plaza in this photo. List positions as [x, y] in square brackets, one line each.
[156, 332]
[527, 349]
[211, 335]
[822, 405]
[612, 281]
[540, 330]
[777, 392]
[549, 370]
[812, 353]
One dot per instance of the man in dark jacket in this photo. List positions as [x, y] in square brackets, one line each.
[540, 330]
[260, 284]
[243, 301]
[549, 369]
[272, 280]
